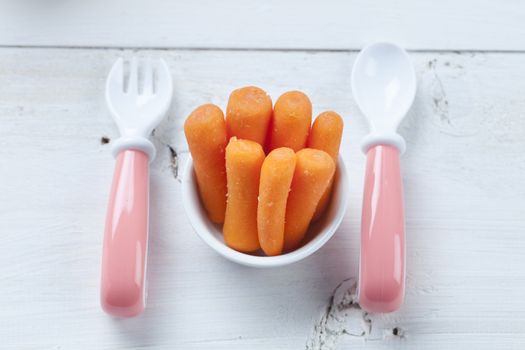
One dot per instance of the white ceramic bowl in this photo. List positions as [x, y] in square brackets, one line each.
[318, 234]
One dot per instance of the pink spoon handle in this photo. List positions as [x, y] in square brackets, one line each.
[125, 237]
[382, 267]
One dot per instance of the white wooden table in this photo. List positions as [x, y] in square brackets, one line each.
[463, 171]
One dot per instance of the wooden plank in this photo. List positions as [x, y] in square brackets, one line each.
[290, 24]
[463, 174]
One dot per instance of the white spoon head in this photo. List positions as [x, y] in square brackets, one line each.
[383, 85]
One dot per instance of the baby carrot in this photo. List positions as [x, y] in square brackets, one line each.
[313, 171]
[276, 177]
[205, 131]
[244, 159]
[292, 116]
[326, 135]
[248, 114]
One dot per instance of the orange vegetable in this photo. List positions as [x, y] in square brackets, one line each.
[276, 177]
[326, 135]
[205, 131]
[244, 159]
[248, 114]
[313, 171]
[292, 116]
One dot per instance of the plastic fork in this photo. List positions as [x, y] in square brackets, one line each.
[137, 106]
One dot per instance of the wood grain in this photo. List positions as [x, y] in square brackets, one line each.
[264, 24]
[463, 173]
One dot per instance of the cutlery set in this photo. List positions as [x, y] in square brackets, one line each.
[139, 94]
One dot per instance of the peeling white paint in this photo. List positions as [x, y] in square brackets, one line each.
[343, 318]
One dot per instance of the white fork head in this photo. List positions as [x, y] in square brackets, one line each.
[138, 107]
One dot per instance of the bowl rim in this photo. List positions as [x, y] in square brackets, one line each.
[199, 226]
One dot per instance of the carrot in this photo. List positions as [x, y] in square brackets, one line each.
[326, 135]
[313, 171]
[276, 177]
[205, 131]
[244, 159]
[248, 114]
[291, 121]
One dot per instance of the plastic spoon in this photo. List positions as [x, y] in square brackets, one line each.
[384, 87]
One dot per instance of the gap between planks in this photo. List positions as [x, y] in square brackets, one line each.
[234, 49]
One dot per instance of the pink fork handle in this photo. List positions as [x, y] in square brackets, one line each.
[382, 267]
[125, 236]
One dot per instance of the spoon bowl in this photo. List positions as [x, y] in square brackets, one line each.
[383, 85]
